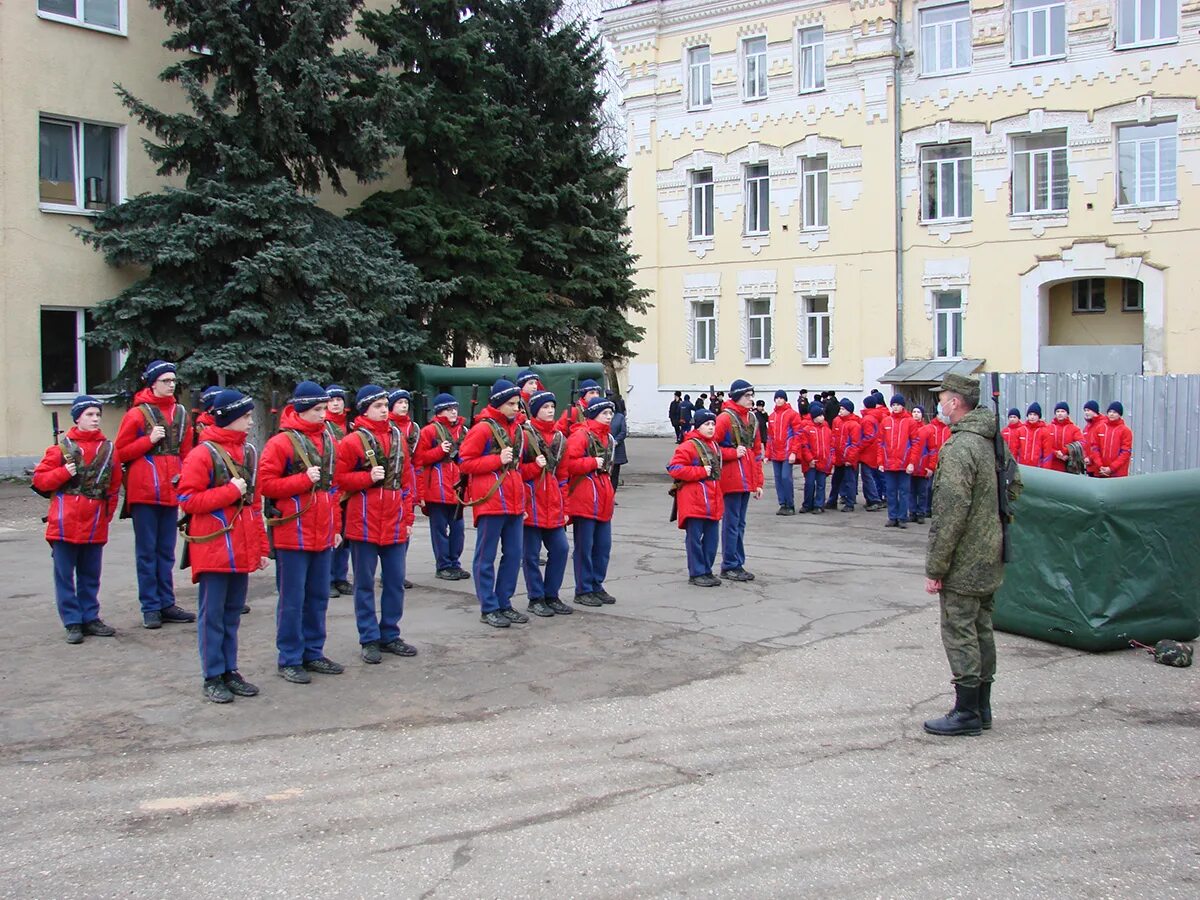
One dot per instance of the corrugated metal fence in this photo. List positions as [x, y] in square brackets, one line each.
[1162, 410]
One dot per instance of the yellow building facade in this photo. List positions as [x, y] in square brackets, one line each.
[824, 193]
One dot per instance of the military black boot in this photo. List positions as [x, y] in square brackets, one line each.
[963, 718]
[985, 705]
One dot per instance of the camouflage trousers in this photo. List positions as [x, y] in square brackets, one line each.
[968, 638]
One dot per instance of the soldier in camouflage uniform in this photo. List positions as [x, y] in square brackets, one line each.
[963, 563]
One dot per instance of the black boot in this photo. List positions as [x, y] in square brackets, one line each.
[558, 607]
[538, 607]
[963, 718]
[985, 705]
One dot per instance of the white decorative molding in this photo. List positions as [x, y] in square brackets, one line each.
[813, 281]
[701, 287]
[755, 284]
[945, 275]
[1037, 224]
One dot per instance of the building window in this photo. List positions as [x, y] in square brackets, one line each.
[1131, 295]
[702, 203]
[754, 83]
[758, 199]
[946, 182]
[704, 331]
[948, 324]
[1146, 164]
[816, 329]
[699, 78]
[758, 330]
[1039, 180]
[812, 59]
[1039, 30]
[78, 165]
[946, 39]
[1088, 296]
[1146, 21]
[815, 172]
[69, 366]
[107, 15]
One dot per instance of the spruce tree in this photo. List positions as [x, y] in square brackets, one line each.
[246, 276]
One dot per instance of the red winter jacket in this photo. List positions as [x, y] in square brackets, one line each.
[339, 420]
[929, 444]
[545, 505]
[215, 507]
[738, 476]
[1113, 448]
[72, 517]
[1090, 433]
[438, 472]
[412, 436]
[848, 446]
[375, 512]
[150, 471]
[1012, 437]
[700, 495]
[869, 454]
[589, 492]
[573, 418]
[1056, 438]
[898, 441]
[282, 478]
[818, 447]
[783, 434]
[1030, 438]
[479, 458]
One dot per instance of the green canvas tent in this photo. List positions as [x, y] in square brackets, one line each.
[462, 382]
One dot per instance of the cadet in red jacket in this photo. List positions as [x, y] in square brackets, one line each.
[1093, 423]
[491, 456]
[376, 475]
[741, 475]
[436, 459]
[82, 477]
[530, 383]
[696, 468]
[817, 457]
[927, 446]
[1060, 434]
[897, 440]
[226, 539]
[846, 449]
[869, 455]
[544, 473]
[400, 413]
[151, 441]
[1113, 447]
[337, 425]
[1030, 437]
[783, 445]
[576, 415]
[1012, 431]
[590, 450]
[296, 477]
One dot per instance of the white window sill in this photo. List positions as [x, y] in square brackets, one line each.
[705, 108]
[943, 74]
[942, 223]
[1088, 312]
[1143, 45]
[756, 241]
[701, 362]
[1034, 60]
[1037, 223]
[813, 90]
[79, 23]
[1129, 309]
[758, 362]
[68, 210]
[701, 246]
[1144, 216]
[816, 362]
[754, 99]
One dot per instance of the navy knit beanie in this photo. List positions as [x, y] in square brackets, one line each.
[1117, 407]
[847, 404]
[443, 402]
[1034, 408]
[781, 394]
[587, 385]
[869, 402]
[527, 375]
[307, 395]
[208, 396]
[598, 405]
[1014, 412]
[81, 403]
[368, 394]
[503, 391]
[1092, 405]
[229, 406]
[540, 399]
[702, 416]
[398, 394]
[156, 370]
[815, 410]
[1062, 404]
[336, 391]
[898, 398]
[739, 389]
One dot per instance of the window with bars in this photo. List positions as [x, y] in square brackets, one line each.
[945, 39]
[946, 182]
[758, 330]
[1146, 21]
[1146, 163]
[758, 198]
[754, 80]
[1087, 296]
[704, 331]
[701, 202]
[948, 324]
[811, 60]
[1039, 30]
[815, 189]
[1039, 177]
[699, 78]
[817, 322]
[78, 165]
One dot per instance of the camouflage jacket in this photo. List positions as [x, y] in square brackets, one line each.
[965, 537]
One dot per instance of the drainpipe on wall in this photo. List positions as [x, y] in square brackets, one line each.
[897, 132]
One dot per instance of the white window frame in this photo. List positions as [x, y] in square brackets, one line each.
[1052, 158]
[943, 322]
[814, 182]
[703, 72]
[762, 185]
[704, 324]
[810, 59]
[931, 62]
[1137, 289]
[941, 169]
[701, 205]
[767, 338]
[80, 208]
[1137, 143]
[1133, 9]
[1033, 16]
[756, 62]
[822, 323]
[54, 398]
[1089, 307]
[77, 20]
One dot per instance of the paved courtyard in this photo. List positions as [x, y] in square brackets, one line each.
[754, 740]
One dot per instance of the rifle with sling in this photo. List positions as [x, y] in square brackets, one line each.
[594, 449]
[501, 439]
[460, 487]
[1007, 476]
[55, 432]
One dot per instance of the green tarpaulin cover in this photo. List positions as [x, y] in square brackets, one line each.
[557, 377]
[1097, 562]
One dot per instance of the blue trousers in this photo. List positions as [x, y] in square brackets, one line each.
[154, 532]
[392, 560]
[700, 539]
[339, 563]
[785, 490]
[593, 546]
[733, 531]
[814, 489]
[849, 489]
[77, 581]
[835, 486]
[303, 599]
[920, 495]
[447, 533]
[870, 486]
[495, 587]
[222, 596]
[547, 586]
[898, 488]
